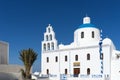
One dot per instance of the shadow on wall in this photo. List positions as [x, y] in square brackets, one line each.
[8, 76]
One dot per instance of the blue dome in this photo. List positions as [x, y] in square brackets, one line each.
[86, 25]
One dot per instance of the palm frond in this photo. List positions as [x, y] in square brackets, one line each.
[28, 57]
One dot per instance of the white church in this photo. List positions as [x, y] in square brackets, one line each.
[88, 57]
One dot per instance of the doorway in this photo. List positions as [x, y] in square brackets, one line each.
[76, 72]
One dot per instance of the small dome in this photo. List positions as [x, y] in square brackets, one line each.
[86, 23]
[107, 41]
[86, 20]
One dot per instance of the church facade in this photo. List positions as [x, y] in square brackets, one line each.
[88, 57]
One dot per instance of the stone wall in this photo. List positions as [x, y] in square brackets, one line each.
[10, 72]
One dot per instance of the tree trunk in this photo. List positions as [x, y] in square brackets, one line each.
[28, 75]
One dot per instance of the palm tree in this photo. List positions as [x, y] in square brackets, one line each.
[28, 57]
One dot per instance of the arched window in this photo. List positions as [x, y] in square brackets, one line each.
[76, 57]
[65, 71]
[88, 71]
[52, 45]
[65, 58]
[50, 36]
[49, 30]
[88, 56]
[56, 59]
[47, 59]
[48, 45]
[47, 71]
[82, 34]
[93, 34]
[44, 47]
[46, 37]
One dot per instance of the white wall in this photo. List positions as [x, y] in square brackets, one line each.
[115, 69]
[107, 59]
[87, 36]
[60, 66]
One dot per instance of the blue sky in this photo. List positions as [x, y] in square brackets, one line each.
[23, 22]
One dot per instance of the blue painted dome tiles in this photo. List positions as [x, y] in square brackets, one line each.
[86, 25]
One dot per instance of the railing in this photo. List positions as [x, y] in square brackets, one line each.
[65, 77]
[46, 76]
[81, 76]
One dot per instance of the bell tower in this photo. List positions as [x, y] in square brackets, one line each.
[49, 42]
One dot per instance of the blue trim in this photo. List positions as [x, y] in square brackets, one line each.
[101, 55]
[86, 25]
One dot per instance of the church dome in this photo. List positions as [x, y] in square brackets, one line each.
[86, 33]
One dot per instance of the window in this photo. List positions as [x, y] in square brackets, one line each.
[49, 30]
[48, 45]
[93, 34]
[88, 71]
[46, 37]
[50, 36]
[82, 34]
[88, 56]
[117, 56]
[101, 62]
[65, 58]
[101, 67]
[47, 71]
[52, 45]
[56, 59]
[65, 71]
[44, 46]
[47, 59]
[101, 72]
[76, 57]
